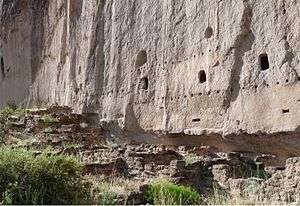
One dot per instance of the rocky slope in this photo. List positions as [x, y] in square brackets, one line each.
[218, 73]
[234, 175]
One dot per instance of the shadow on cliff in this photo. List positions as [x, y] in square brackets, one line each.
[243, 43]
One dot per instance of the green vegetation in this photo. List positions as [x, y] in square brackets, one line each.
[107, 198]
[49, 120]
[109, 192]
[260, 172]
[72, 146]
[11, 110]
[191, 159]
[42, 179]
[2, 133]
[48, 130]
[257, 171]
[167, 193]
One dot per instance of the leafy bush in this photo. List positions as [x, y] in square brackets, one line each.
[167, 193]
[43, 179]
[2, 134]
[9, 111]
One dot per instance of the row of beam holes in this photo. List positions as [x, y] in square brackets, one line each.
[142, 55]
[265, 65]
[112, 92]
[263, 62]
[193, 95]
[144, 81]
[142, 59]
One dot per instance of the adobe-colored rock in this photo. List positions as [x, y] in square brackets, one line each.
[219, 73]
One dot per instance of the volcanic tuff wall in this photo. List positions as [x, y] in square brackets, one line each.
[202, 68]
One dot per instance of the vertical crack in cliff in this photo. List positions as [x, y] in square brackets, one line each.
[75, 9]
[96, 63]
[242, 44]
[38, 11]
[64, 48]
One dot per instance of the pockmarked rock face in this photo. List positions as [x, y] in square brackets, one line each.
[223, 73]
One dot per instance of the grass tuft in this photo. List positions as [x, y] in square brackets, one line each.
[163, 192]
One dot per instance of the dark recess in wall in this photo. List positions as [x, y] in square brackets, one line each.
[2, 67]
[264, 62]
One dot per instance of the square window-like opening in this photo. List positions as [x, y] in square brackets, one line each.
[202, 76]
[264, 62]
[144, 84]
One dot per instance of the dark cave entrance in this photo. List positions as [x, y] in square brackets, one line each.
[202, 76]
[264, 62]
[144, 83]
[2, 68]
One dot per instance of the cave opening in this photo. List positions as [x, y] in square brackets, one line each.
[208, 32]
[264, 62]
[141, 59]
[2, 67]
[145, 83]
[196, 120]
[202, 76]
[285, 111]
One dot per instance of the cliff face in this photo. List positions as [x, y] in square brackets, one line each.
[172, 68]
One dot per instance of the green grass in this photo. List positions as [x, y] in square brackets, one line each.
[163, 192]
[43, 179]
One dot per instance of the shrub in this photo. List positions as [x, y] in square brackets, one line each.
[191, 159]
[107, 198]
[43, 179]
[2, 133]
[116, 191]
[9, 111]
[166, 193]
[49, 120]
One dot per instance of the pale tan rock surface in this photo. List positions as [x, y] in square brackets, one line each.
[223, 72]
